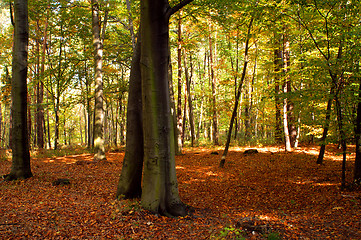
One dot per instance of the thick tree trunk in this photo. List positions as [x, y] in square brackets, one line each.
[160, 187]
[129, 185]
[20, 167]
[99, 150]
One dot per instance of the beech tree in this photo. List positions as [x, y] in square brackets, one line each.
[99, 151]
[159, 193]
[20, 167]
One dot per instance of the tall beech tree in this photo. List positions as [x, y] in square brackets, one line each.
[159, 193]
[99, 150]
[20, 167]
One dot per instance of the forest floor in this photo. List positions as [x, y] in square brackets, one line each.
[266, 195]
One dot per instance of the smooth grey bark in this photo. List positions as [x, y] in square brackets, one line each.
[159, 191]
[160, 187]
[129, 185]
[20, 168]
[99, 149]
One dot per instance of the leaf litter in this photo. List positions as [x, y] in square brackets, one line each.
[267, 195]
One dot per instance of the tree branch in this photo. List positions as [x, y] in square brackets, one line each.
[178, 7]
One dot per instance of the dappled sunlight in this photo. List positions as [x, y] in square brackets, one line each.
[314, 183]
[269, 191]
[71, 159]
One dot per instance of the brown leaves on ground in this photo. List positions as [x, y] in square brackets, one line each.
[266, 195]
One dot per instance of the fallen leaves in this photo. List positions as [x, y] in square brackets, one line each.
[257, 196]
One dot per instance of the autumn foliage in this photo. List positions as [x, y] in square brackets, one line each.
[265, 195]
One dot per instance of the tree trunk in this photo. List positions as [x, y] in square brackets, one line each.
[278, 103]
[214, 101]
[40, 94]
[235, 70]
[99, 150]
[184, 114]
[48, 120]
[56, 112]
[190, 105]
[29, 121]
[357, 170]
[343, 140]
[129, 185]
[160, 187]
[179, 100]
[20, 167]
[287, 105]
[234, 113]
[173, 107]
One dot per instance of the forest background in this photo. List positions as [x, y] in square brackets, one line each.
[299, 54]
[288, 69]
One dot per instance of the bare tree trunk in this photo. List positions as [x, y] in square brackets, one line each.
[48, 120]
[172, 105]
[179, 100]
[29, 121]
[278, 103]
[129, 185]
[190, 105]
[20, 167]
[40, 93]
[160, 187]
[234, 113]
[184, 113]
[357, 169]
[214, 101]
[287, 105]
[235, 69]
[99, 150]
